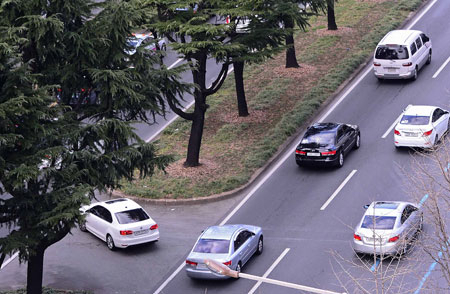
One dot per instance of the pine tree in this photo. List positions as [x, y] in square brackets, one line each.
[54, 156]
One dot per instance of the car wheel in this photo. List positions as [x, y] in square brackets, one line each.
[341, 159]
[414, 77]
[260, 248]
[429, 57]
[436, 140]
[380, 79]
[358, 141]
[110, 242]
[420, 225]
[82, 226]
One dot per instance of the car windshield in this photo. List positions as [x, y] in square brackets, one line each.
[131, 216]
[378, 222]
[414, 120]
[391, 52]
[212, 246]
[324, 138]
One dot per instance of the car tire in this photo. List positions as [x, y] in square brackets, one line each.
[340, 162]
[358, 141]
[380, 79]
[415, 74]
[260, 248]
[82, 226]
[110, 243]
[436, 140]
[429, 57]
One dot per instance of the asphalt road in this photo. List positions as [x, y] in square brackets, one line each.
[287, 205]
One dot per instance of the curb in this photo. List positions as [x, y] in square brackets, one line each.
[281, 150]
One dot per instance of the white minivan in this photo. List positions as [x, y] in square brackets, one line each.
[401, 54]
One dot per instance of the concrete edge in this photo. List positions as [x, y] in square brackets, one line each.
[259, 172]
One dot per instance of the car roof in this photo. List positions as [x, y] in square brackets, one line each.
[224, 232]
[420, 110]
[118, 205]
[326, 127]
[387, 208]
[399, 37]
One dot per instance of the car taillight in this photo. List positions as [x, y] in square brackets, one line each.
[397, 133]
[328, 153]
[407, 64]
[227, 263]
[154, 227]
[191, 263]
[356, 237]
[427, 133]
[376, 64]
[126, 232]
[300, 152]
[394, 239]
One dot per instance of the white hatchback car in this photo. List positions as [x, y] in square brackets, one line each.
[401, 54]
[120, 223]
[421, 126]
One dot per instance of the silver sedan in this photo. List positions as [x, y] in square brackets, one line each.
[232, 245]
[387, 228]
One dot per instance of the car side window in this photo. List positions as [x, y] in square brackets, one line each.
[93, 210]
[424, 38]
[405, 214]
[104, 214]
[413, 48]
[418, 43]
[245, 236]
[340, 134]
[238, 242]
[437, 114]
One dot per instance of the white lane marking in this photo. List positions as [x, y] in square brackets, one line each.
[441, 68]
[175, 63]
[9, 260]
[289, 153]
[168, 123]
[345, 94]
[420, 15]
[392, 126]
[271, 268]
[338, 189]
[163, 285]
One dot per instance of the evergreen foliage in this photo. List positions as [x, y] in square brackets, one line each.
[54, 156]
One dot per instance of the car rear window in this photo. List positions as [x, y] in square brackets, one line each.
[131, 216]
[391, 52]
[378, 222]
[323, 138]
[414, 120]
[212, 246]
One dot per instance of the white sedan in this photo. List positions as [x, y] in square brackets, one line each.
[146, 40]
[120, 223]
[421, 126]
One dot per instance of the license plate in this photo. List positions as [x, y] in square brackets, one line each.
[408, 134]
[313, 154]
[372, 240]
[392, 69]
[141, 232]
[202, 266]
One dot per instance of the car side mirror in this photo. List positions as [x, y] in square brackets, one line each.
[366, 206]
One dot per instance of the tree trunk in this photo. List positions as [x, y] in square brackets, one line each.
[240, 90]
[331, 17]
[195, 138]
[35, 272]
[291, 59]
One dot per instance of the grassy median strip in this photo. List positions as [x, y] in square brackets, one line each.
[280, 101]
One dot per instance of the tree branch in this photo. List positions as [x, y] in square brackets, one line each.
[178, 111]
[220, 79]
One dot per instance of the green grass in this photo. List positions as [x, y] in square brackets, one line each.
[239, 166]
